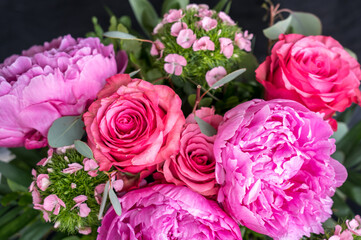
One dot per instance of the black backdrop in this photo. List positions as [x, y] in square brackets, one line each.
[24, 23]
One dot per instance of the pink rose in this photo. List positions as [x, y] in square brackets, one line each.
[274, 167]
[133, 125]
[47, 82]
[167, 212]
[315, 71]
[194, 165]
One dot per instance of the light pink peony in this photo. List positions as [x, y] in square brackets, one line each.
[167, 212]
[133, 125]
[274, 167]
[48, 82]
[315, 71]
[194, 165]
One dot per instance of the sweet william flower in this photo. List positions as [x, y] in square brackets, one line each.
[167, 212]
[42, 181]
[226, 18]
[354, 225]
[72, 168]
[341, 235]
[215, 74]
[226, 47]
[53, 202]
[177, 27]
[208, 23]
[157, 48]
[47, 82]
[243, 41]
[186, 38]
[274, 167]
[173, 15]
[174, 64]
[204, 43]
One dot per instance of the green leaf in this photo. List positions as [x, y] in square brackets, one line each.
[9, 198]
[275, 30]
[350, 140]
[104, 200]
[83, 149]
[145, 15]
[173, 4]
[120, 35]
[220, 5]
[205, 102]
[205, 127]
[15, 174]
[339, 156]
[352, 54]
[228, 7]
[192, 99]
[13, 227]
[132, 74]
[65, 130]
[115, 202]
[354, 158]
[340, 208]
[342, 129]
[352, 191]
[306, 24]
[36, 231]
[16, 187]
[228, 78]
[10, 215]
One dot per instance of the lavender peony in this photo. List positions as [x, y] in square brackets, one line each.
[274, 167]
[48, 82]
[167, 212]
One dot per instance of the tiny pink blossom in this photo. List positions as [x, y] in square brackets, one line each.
[72, 168]
[53, 202]
[50, 170]
[73, 185]
[84, 210]
[157, 48]
[46, 216]
[174, 63]
[205, 13]
[33, 172]
[226, 19]
[243, 41]
[36, 196]
[44, 161]
[208, 23]
[345, 235]
[226, 47]
[157, 28]
[215, 74]
[90, 164]
[56, 224]
[192, 6]
[85, 230]
[203, 6]
[63, 150]
[118, 185]
[80, 199]
[173, 15]
[177, 27]
[42, 181]
[31, 187]
[98, 192]
[204, 43]
[355, 225]
[186, 38]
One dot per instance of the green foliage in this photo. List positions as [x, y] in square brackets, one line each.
[173, 4]
[145, 15]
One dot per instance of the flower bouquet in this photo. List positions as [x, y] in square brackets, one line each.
[180, 133]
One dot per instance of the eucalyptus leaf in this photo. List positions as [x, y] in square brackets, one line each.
[15, 174]
[305, 23]
[83, 149]
[174, 4]
[342, 129]
[145, 14]
[119, 35]
[228, 78]
[205, 127]
[275, 30]
[104, 200]
[65, 131]
[132, 74]
[115, 202]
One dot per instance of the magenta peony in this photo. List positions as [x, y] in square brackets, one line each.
[194, 165]
[167, 212]
[315, 71]
[48, 82]
[274, 167]
[134, 125]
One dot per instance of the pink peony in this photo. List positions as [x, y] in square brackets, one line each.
[194, 165]
[226, 47]
[274, 167]
[133, 125]
[204, 43]
[215, 74]
[167, 212]
[186, 38]
[48, 82]
[174, 64]
[315, 71]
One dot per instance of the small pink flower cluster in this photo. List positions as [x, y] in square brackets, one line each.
[193, 36]
[353, 228]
